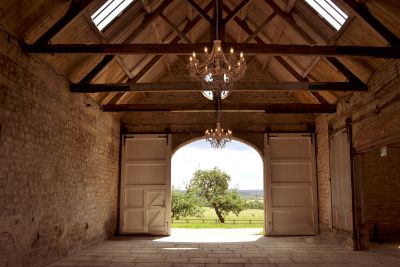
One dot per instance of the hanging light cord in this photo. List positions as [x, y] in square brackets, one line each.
[216, 22]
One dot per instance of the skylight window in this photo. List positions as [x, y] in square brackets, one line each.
[108, 12]
[329, 11]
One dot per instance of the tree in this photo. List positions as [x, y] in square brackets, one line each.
[184, 204]
[212, 186]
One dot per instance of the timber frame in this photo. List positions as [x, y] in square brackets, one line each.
[332, 52]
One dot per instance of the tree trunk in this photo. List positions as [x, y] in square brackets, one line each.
[220, 217]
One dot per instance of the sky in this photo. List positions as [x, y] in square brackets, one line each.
[240, 161]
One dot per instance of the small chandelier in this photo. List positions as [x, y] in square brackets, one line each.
[216, 73]
[218, 137]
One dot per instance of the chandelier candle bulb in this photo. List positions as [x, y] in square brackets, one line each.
[205, 50]
[231, 50]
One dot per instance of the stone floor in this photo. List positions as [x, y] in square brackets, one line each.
[229, 247]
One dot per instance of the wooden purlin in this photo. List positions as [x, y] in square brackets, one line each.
[240, 87]
[247, 48]
[231, 107]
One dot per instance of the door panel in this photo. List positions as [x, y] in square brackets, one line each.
[340, 168]
[145, 185]
[290, 185]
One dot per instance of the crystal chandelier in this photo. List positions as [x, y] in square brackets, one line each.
[218, 137]
[215, 72]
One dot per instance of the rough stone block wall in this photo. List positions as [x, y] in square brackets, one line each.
[58, 164]
[375, 119]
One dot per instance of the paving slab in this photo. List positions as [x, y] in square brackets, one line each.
[225, 247]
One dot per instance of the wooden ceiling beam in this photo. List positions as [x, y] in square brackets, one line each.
[260, 27]
[75, 8]
[155, 59]
[227, 107]
[344, 70]
[195, 87]
[97, 69]
[363, 12]
[201, 11]
[147, 20]
[219, 21]
[235, 11]
[187, 49]
[280, 59]
[334, 61]
[176, 29]
[289, 20]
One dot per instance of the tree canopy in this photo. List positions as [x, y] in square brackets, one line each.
[212, 187]
[184, 204]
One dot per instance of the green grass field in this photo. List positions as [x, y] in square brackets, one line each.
[250, 218]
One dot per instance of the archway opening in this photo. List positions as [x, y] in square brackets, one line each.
[243, 165]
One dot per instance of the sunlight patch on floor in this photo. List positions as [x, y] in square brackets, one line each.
[212, 235]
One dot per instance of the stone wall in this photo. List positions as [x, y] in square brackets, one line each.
[375, 117]
[58, 164]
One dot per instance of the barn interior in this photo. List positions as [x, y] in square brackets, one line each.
[84, 98]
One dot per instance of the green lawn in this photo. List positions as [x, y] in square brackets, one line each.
[250, 218]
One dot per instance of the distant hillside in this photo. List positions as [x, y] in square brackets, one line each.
[256, 194]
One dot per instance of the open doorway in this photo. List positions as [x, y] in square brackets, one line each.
[242, 165]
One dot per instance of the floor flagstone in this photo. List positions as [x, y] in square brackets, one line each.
[228, 247]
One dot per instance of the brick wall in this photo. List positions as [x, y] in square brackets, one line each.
[375, 119]
[58, 164]
[382, 207]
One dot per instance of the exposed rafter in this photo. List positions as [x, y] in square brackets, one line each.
[362, 11]
[236, 10]
[190, 25]
[201, 11]
[232, 107]
[187, 49]
[75, 8]
[195, 87]
[147, 20]
[176, 29]
[280, 59]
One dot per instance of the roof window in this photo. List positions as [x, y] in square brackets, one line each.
[329, 11]
[108, 12]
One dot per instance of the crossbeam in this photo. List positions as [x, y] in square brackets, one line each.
[187, 49]
[225, 107]
[195, 87]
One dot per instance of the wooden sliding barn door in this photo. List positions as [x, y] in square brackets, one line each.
[145, 185]
[291, 187]
[341, 190]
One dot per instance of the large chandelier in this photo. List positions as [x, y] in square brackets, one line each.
[218, 137]
[216, 73]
